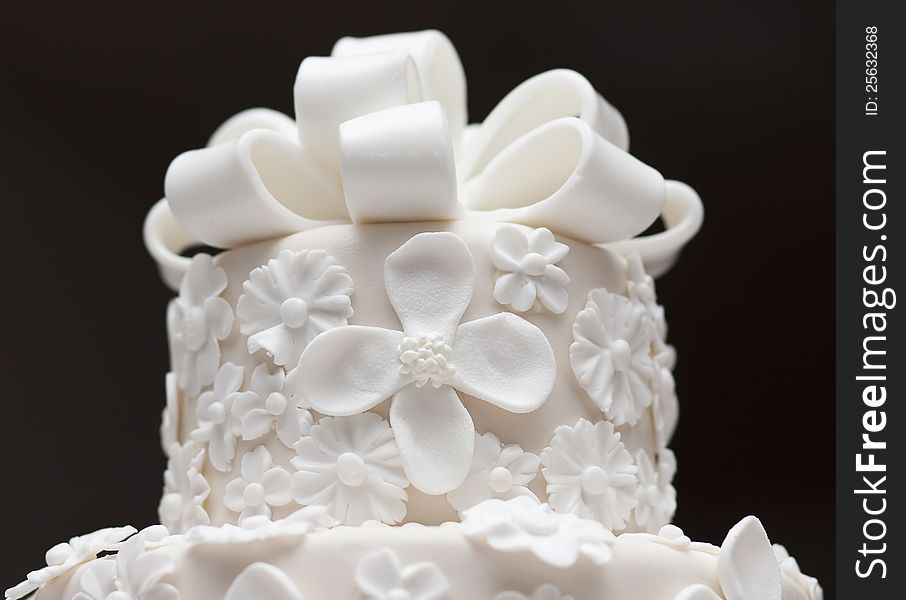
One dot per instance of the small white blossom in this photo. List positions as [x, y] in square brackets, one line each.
[497, 472]
[185, 489]
[197, 320]
[352, 466]
[217, 426]
[611, 355]
[266, 406]
[526, 259]
[590, 473]
[656, 496]
[380, 576]
[290, 300]
[260, 486]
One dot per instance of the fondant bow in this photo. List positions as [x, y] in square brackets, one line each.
[381, 135]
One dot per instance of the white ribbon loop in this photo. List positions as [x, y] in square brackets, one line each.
[398, 165]
[253, 118]
[258, 186]
[330, 90]
[565, 177]
[536, 101]
[441, 76]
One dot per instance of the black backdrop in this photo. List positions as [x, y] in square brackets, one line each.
[734, 98]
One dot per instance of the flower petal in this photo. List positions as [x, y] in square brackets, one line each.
[435, 435]
[429, 281]
[255, 464]
[277, 483]
[424, 581]
[377, 573]
[505, 360]
[277, 341]
[347, 370]
[219, 316]
[261, 580]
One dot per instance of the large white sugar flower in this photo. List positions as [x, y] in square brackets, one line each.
[185, 489]
[656, 495]
[197, 320]
[292, 299]
[262, 581]
[380, 576]
[169, 418]
[590, 473]
[217, 426]
[502, 359]
[497, 471]
[352, 466]
[522, 524]
[260, 486]
[545, 591]
[67, 555]
[526, 259]
[665, 406]
[260, 527]
[265, 406]
[790, 567]
[611, 355]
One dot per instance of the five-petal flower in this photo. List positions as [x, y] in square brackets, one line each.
[526, 259]
[260, 486]
[351, 465]
[217, 427]
[502, 359]
[265, 406]
[380, 576]
[656, 495]
[197, 320]
[292, 299]
[590, 473]
[497, 471]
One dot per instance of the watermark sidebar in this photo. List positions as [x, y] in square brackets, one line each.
[871, 261]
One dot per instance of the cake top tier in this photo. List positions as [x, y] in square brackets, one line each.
[381, 135]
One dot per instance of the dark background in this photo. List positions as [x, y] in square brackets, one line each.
[734, 98]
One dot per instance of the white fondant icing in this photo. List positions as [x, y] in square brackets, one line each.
[497, 471]
[527, 262]
[747, 567]
[292, 299]
[262, 581]
[169, 418]
[217, 426]
[197, 320]
[698, 591]
[265, 407]
[380, 576]
[544, 592]
[521, 524]
[590, 473]
[66, 555]
[351, 466]
[260, 527]
[259, 487]
[611, 355]
[185, 489]
[429, 281]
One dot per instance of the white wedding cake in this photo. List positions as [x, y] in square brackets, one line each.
[429, 362]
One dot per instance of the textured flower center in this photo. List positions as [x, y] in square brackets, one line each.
[652, 493]
[398, 594]
[294, 312]
[426, 357]
[500, 480]
[351, 469]
[195, 328]
[58, 554]
[595, 480]
[217, 413]
[622, 353]
[542, 524]
[275, 403]
[533, 264]
[253, 494]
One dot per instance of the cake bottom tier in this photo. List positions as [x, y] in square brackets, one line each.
[483, 560]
